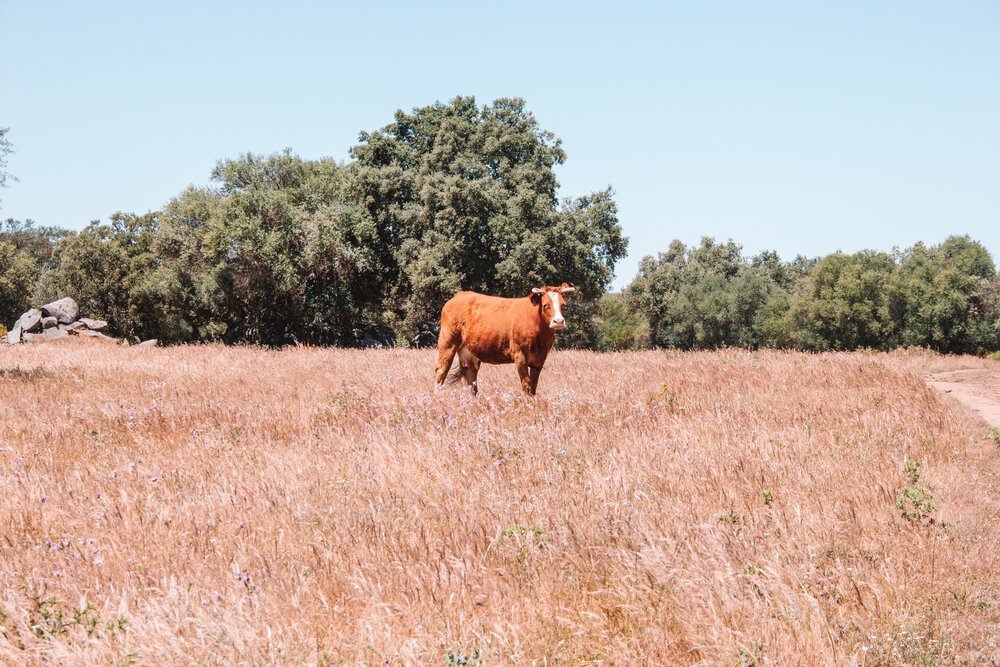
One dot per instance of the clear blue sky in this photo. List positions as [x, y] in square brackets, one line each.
[802, 127]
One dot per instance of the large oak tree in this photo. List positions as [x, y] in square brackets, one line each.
[466, 197]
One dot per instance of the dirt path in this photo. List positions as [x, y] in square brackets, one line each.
[977, 388]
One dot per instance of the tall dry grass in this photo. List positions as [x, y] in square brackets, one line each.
[209, 505]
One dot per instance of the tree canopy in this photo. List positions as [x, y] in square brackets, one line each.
[27, 265]
[946, 297]
[463, 197]
[706, 296]
[5, 149]
[279, 249]
[457, 196]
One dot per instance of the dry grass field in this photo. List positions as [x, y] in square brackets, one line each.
[210, 505]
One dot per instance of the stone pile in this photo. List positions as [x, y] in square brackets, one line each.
[374, 337]
[427, 335]
[55, 320]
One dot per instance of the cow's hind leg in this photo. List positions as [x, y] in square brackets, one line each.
[448, 344]
[470, 373]
[468, 369]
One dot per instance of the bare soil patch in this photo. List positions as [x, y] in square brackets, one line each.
[976, 388]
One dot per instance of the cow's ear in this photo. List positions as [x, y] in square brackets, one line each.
[536, 298]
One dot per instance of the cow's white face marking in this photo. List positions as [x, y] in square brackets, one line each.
[557, 322]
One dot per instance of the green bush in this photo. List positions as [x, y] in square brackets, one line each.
[945, 297]
[619, 328]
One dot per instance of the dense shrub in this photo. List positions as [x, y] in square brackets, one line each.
[27, 258]
[945, 297]
[618, 327]
[706, 296]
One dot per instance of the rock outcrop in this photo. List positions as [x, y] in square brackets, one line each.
[374, 337]
[64, 310]
[427, 335]
[56, 320]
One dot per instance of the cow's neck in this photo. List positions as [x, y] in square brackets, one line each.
[546, 334]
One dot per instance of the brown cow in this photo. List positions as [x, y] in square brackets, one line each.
[499, 331]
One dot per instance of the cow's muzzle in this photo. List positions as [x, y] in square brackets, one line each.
[557, 323]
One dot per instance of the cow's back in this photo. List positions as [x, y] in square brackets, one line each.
[488, 326]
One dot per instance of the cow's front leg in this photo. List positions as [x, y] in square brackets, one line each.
[533, 373]
[527, 386]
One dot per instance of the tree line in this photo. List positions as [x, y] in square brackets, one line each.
[453, 196]
[945, 297]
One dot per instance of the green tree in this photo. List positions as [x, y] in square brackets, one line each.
[841, 305]
[18, 277]
[275, 254]
[38, 241]
[181, 282]
[463, 197]
[619, 328]
[252, 246]
[945, 297]
[104, 267]
[706, 296]
[26, 262]
[5, 149]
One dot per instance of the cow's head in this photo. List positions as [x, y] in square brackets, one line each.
[550, 302]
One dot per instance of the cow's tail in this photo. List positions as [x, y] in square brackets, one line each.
[455, 374]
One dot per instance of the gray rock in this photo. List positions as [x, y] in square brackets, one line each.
[49, 322]
[374, 337]
[14, 335]
[30, 320]
[65, 310]
[32, 337]
[424, 339]
[148, 343]
[93, 334]
[72, 326]
[52, 333]
[93, 325]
